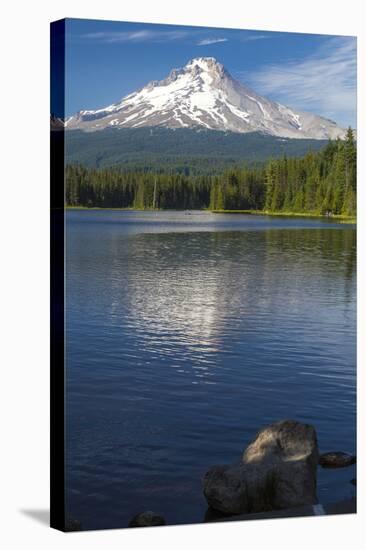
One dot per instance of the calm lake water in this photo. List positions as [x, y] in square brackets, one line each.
[188, 332]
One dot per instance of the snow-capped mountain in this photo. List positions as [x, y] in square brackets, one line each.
[203, 94]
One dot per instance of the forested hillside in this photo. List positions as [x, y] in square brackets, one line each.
[319, 182]
[190, 151]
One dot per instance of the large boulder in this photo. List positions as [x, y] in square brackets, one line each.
[285, 441]
[295, 485]
[225, 489]
[278, 470]
[287, 454]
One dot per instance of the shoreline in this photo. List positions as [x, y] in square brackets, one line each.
[341, 218]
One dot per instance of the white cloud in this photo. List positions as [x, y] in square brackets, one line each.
[136, 36]
[250, 37]
[324, 83]
[208, 41]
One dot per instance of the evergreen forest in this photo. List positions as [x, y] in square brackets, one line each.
[320, 182]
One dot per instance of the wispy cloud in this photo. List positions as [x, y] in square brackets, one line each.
[200, 38]
[324, 83]
[208, 41]
[136, 36]
[250, 37]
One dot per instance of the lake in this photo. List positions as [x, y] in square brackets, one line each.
[186, 332]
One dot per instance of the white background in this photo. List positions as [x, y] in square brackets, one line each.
[24, 288]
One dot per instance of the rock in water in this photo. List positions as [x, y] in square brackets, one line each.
[295, 485]
[278, 470]
[147, 519]
[225, 489]
[336, 459]
[286, 456]
[285, 441]
[239, 489]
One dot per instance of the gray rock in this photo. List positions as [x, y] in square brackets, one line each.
[225, 489]
[296, 484]
[336, 459]
[260, 482]
[285, 441]
[286, 454]
[147, 519]
[278, 470]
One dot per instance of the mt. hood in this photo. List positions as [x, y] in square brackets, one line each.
[204, 95]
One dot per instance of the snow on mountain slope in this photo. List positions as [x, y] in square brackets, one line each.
[204, 94]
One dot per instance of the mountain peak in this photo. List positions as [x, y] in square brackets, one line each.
[203, 62]
[204, 94]
[206, 64]
[196, 68]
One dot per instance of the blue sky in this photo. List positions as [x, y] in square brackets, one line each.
[106, 60]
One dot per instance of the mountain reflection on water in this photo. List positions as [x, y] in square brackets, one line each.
[185, 335]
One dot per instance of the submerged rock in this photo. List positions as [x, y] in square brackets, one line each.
[336, 459]
[278, 470]
[147, 519]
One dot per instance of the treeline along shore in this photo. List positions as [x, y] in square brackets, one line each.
[321, 183]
